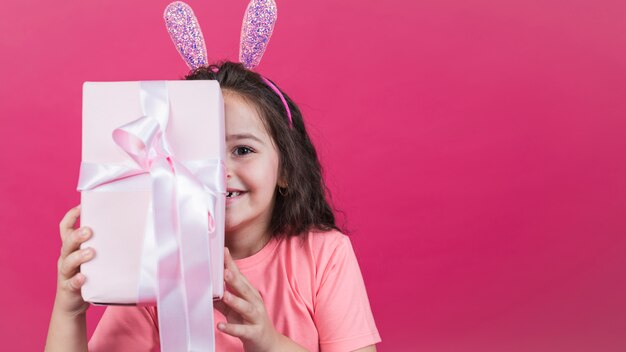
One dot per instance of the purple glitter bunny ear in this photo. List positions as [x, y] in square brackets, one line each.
[186, 34]
[256, 30]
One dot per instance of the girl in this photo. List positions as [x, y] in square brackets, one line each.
[292, 279]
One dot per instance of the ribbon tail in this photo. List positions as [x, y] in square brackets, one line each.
[170, 288]
[146, 288]
[212, 176]
[196, 259]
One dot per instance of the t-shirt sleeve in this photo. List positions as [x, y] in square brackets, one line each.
[126, 329]
[343, 316]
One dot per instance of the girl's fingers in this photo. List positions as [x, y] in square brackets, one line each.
[75, 283]
[243, 307]
[240, 286]
[237, 281]
[66, 226]
[72, 242]
[237, 330]
[229, 262]
[69, 265]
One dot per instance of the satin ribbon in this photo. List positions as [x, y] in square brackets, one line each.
[181, 216]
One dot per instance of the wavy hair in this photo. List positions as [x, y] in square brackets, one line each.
[304, 207]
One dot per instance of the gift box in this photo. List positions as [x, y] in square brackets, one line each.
[153, 191]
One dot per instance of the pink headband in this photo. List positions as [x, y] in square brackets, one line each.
[256, 30]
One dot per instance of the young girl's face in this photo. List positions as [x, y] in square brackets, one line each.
[252, 168]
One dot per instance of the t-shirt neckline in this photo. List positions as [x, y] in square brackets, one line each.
[259, 256]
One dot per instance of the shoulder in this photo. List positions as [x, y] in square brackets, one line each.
[327, 241]
[329, 251]
[319, 245]
[314, 252]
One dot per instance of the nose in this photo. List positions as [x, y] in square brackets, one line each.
[228, 165]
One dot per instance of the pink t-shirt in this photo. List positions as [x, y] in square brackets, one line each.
[311, 286]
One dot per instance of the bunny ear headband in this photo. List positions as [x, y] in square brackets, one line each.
[256, 30]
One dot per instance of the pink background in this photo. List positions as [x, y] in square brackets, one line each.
[477, 147]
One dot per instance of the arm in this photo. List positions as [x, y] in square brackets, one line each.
[370, 348]
[68, 329]
[67, 332]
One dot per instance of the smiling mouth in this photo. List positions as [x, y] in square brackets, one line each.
[233, 194]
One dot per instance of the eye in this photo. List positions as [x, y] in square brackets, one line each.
[242, 150]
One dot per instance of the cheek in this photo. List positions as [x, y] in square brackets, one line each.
[266, 176]
[260, 177]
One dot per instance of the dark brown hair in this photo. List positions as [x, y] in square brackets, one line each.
[304, 207]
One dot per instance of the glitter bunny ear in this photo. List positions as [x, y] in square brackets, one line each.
[256, 30]
[183, 27]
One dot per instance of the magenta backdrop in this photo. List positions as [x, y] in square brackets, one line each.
[477, 148]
